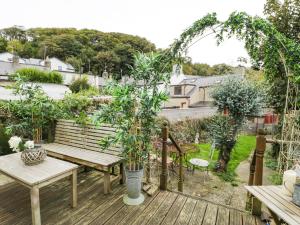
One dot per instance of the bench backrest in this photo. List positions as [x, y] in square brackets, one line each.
[87, 137]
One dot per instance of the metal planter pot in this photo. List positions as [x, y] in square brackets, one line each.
[296, 195]
[134, 187]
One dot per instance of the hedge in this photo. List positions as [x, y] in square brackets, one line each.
[36, 75]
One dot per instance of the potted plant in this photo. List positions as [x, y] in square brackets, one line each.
[132, 111]
[31, 154]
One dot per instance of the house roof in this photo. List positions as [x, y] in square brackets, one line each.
[206, 81]
[54, 91]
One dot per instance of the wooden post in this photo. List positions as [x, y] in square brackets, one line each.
[250, 181]
[148, 170]
[74, 188]
[259, 163]
[164, 166]
[180, 177]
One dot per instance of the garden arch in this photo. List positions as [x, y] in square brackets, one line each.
[267, 48]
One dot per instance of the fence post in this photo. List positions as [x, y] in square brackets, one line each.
[251, 180]
[180, 177]
[164, 167]
[259, 163]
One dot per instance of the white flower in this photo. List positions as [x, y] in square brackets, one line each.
[29, 144]
[14, 143]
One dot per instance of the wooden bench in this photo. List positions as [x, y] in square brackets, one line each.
[80, 145]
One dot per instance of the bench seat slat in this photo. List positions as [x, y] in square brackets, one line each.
[86, 147]
[82, 154]
[73, 123]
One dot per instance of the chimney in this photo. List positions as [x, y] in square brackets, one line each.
[48, 63]
[177, 70]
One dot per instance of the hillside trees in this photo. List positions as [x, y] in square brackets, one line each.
[81, 48]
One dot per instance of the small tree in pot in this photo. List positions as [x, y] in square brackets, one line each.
[241, 99]
[133, 111]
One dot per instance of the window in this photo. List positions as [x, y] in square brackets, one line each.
[177, 90]
[60, 68]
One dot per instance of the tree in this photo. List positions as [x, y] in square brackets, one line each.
[241, 98]
[285, 16]
[15, 46]
[221, 69]
[3, 44]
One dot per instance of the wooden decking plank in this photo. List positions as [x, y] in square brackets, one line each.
[121, 214]
[186, 212]
[23, 209]
[108, 213]
[129, 218]
[198, 213]
[89, 202]
[223, 216]
[210, 216]
[235, 217]
[163, 209]
[249, 220]
[175, 210]
[144, 217]
[97, 212]
[57, 198]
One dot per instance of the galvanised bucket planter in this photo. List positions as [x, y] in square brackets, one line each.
[296, 195]
[134, 187]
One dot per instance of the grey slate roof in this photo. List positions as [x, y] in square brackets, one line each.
[206, 81]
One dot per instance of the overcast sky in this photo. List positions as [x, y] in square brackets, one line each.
[160, 21]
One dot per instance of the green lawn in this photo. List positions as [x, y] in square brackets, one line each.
[244, 146]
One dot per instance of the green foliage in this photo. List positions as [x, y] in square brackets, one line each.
[241, 97]
[14, 46]
[80, 84]
[3, 44]
[185, 131]
[276, 178]
[4, 146]
[81, 48]
[134, 109]
[35, 110]
[35, 75]
[244, 146]
[203, 69]
[285, 16]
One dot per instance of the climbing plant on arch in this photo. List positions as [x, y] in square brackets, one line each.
[269, 49]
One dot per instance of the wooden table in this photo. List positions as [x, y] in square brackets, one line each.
[280, 205]
[37, 176]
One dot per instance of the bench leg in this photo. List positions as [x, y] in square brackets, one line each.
[74, 188]
[122, 174]
[106, 183]
[35, 206]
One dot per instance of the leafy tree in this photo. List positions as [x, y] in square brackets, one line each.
[82, 48]
[220, 69]
[14, 46]
[242, 99]
[3, 44]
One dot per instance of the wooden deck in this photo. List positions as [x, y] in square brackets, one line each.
[96, 208]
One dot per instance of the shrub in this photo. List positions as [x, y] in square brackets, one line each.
[4, 147]
[80, 84]
[185, 131]
[36, 75]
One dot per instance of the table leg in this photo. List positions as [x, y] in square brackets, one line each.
[74, 188]
[106, 183]
[35, 206]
